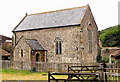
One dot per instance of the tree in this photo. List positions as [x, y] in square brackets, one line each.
[110, 37]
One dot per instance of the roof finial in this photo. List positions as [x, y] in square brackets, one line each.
[26, 14]
[88, 5]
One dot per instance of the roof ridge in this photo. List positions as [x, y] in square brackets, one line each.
[57, 10]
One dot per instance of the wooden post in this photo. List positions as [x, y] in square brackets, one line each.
[68, 71]
[68, 68]
[103, 76]
[118, 66]
[48, 76]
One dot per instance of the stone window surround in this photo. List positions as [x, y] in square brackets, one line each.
[21, 52]
[58, 46]
[89, 41]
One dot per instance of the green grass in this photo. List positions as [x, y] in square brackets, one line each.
[23, 74]
[10, 74]
[19, 72]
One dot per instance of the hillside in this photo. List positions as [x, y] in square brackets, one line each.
[110, 37]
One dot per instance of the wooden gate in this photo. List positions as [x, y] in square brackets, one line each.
[74, 77]
[78, 73]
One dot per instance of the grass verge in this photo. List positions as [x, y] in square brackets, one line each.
[10, 74]
[19, 72]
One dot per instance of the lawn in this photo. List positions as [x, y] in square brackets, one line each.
[24, 75]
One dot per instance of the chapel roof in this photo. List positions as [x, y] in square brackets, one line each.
[34, 44]
[65, 17]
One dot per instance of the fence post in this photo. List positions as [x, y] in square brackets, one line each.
[103, 75]
[68, 68]
[48, 76]
[118, 66]
[104, 70]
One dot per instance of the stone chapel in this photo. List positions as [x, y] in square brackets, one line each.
[61, 36]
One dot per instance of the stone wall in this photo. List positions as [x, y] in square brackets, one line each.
[72, 51]
[70, 37]
[88, 23]
[43, 66]
[26, 55]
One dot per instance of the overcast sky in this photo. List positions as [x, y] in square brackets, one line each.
[12, 11]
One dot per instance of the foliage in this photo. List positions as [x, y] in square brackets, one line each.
[110, 37]
[20, 72]
[15, 71]
[99, 58]
[106, 59]
[33, 70]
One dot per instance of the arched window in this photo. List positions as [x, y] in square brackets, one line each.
[37, 57]
[90, 40]
[58, 48]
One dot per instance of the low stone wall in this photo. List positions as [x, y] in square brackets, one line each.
[6, 64]
[41, 66]
[53, 67]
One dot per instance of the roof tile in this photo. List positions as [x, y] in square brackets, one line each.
[52, 19]
[34, 44]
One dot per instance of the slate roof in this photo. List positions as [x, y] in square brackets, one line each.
[65, 17]
[116, 56]
[7, 45]
[4, 52]
[34, 44]
[3, 39]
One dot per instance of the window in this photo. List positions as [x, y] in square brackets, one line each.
[37, 57]
[90, 24]
[90, 41]
[58, 44]
[21, 53]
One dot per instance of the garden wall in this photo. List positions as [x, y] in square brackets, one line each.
[46, 67]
